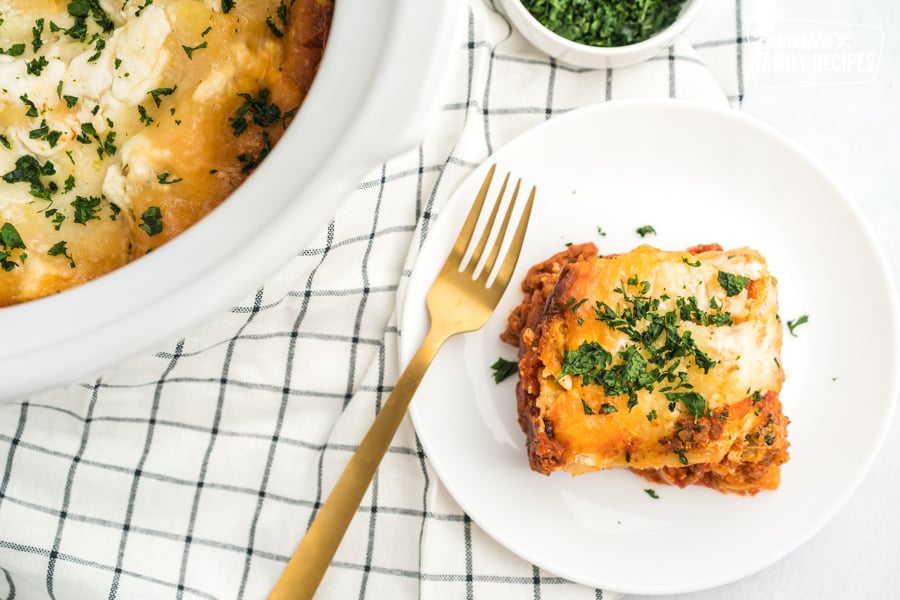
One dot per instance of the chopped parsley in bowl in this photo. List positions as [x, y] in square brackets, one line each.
[605, 22]
[601, 33]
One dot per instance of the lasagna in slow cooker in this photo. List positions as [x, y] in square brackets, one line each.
[123, 122]
[666, 363]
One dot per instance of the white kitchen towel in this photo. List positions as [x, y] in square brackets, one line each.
[193, 471]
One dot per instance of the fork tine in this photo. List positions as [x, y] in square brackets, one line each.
[515, 246]
[468, 228]
[501, 234]
[479, 249]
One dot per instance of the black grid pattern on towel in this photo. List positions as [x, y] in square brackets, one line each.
[193, 471]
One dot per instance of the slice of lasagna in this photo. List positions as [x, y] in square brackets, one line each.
[667, 363]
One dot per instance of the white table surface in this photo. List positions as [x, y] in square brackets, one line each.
[854, 129]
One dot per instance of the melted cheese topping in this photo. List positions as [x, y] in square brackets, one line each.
[124, 122]
[657, 360]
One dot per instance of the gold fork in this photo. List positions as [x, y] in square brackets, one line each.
[457, 302]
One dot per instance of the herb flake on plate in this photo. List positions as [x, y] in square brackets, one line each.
[503, 368]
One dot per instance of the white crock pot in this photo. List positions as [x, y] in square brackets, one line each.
[377, 83]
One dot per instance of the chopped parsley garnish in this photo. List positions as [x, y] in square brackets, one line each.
[692, 401]
[731, 283]
[586, 407]
[652, 493]
[70, 100]
[645, 230]
[8, 264]
[88, 131]
[36, 32]
[250, 161]
[85, 209]
[29, 170]
[227, 5]
[573, 304]
[158, 92]
[105, 146]
[5, 141]
[145, 118]
[80, 10]
[99, 45]
[44, 133]
[259, 109]
[10, 240]
[274, 28]
[607, 408]
[14, 50]
[59, 249]
[589, 356]
[796, 323]
[281, 11]
[32, 109]
[151, 221]
[53, 138]
[503, 368]
[688, 262]
[56, 217]
[141, 8]
[651, 416]
[163, 179]
[689, 310]
[603, 22]
[36, 66]
[595, 366]
[190, 51]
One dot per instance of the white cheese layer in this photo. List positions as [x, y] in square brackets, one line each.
[84, 92]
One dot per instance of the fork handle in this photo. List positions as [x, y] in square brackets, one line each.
[306, 567]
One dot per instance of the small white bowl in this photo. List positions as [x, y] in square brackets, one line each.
[595, 57]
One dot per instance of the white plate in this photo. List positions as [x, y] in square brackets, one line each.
[697, 175]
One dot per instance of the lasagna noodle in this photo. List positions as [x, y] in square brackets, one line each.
[667, 363]
[125, 126]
